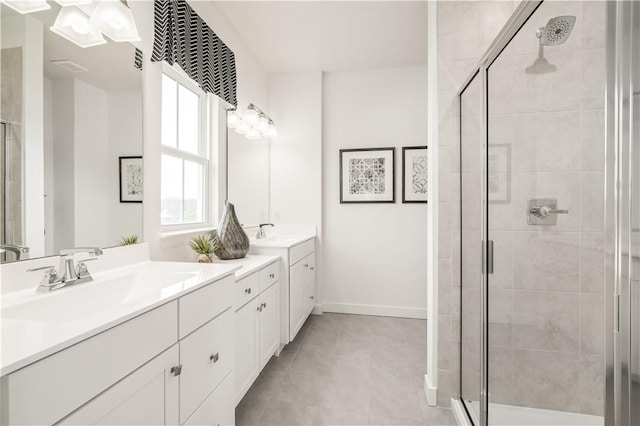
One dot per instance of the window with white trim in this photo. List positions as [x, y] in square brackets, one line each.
[185, 164]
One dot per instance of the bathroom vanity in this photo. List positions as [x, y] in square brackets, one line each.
[145, 342]
[298, 273]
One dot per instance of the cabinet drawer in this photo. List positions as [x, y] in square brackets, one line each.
[296, 253]
[246, 289]
[206, 357]
[309, 246]
[269, 275]
[48, 390]
[218, 409]
[200, 306]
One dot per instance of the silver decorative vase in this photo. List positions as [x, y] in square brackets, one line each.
[233, 241]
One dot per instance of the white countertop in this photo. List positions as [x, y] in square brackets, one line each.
[37, 325]
[281, 241]
[250, 263]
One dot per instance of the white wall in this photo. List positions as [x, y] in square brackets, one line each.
[124, 122]
[91, 168]
[375, 255]
[252, 87]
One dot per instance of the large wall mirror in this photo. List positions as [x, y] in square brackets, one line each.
[68, 114]
[248, 178]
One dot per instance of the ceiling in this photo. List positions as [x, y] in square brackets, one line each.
[293, 36]
[110, 66]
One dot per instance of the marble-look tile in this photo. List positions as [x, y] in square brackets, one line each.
[558, 141]
[546, 261]
[394, 401]
[592, 262]
[347, 396]
[593, 79]
[444, 339]
[593, 139]
[282, 362]
[513, 90]
[592, 201]
[382, 420]
[325, 416]
[592, 324]
[502, 277]
[546, 320]
[283, 413]
[501, 375]
[559, 90]
[594, 24]
[545, 380]
[354, 369]
[591, 393]
[436, 415]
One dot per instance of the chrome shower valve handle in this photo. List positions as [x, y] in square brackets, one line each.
[544, 211]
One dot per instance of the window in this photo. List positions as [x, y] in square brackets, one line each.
[184, 152]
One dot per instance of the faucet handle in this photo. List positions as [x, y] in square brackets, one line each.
[42, 268]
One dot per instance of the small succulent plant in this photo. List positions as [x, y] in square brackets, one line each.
[128, 240]
[203, 244]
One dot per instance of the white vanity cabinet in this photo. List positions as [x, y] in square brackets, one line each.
[298, 283]
[257, 324]
[169, 365]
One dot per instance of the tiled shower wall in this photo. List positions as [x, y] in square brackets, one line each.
[546, 296]
[11, 114]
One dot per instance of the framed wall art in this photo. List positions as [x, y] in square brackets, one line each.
[131, 179]
[367, 175]
[414, 174]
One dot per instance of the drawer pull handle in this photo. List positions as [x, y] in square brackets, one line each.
[259, 308]
[311, 297]
[306, 265]
[312, 268]
[272, 275]
[176, 370]
[247, 290]
[264, 305]
[214, 357]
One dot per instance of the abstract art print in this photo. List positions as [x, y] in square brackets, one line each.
[414, 174]
[131, 179]
[367, 175]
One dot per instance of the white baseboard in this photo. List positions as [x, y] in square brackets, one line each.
[460, 413]
[430, 392]
[317, 309]
[377, 310]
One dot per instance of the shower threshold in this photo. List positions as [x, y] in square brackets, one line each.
[513, 415]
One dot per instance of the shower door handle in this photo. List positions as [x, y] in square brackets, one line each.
[487, 256]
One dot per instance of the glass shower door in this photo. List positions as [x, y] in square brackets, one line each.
[545, 194]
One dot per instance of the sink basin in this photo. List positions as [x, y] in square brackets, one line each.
[93, 298]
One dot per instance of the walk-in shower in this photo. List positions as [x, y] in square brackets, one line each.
[544, 249]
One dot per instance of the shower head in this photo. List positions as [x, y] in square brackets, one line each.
[556, 31]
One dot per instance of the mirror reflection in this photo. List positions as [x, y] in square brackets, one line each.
[68, 114]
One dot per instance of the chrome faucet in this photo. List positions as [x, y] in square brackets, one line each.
[261, 234]
[21, 252]
[68, 273]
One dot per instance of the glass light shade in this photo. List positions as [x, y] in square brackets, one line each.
[250, 117]
[242, 128]
[115, 20]
[233, 119]
[262, 125]
[74, 25]
[271, 132]
[253, 134]
[27, 6]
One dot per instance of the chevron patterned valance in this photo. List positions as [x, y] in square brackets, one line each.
[182, 37]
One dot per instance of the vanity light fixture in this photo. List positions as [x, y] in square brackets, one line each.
[27, 6]
[74, 25]
[64, 3]
[253, 123]
[115, 20]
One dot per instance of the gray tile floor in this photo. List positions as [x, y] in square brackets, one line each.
[346, 370]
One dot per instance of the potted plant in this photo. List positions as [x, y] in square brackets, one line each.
[204, 245]
[128, 240]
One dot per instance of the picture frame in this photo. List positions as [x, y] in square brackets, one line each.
[498, 171]
[131, 179]
[414, 174]
[367, 175]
